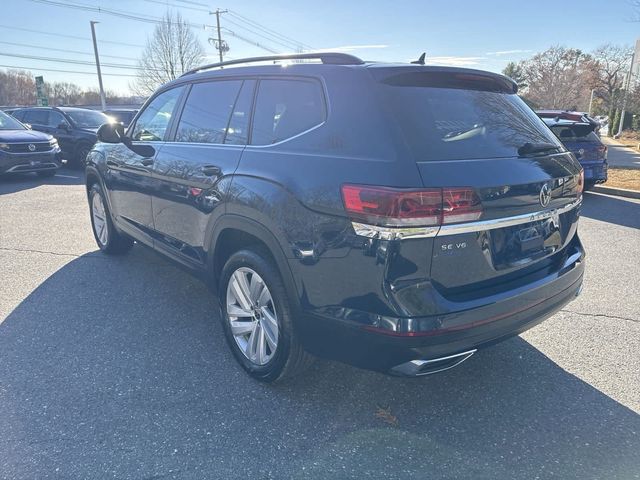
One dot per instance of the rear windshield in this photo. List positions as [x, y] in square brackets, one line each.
[458, 124]
[575, 133]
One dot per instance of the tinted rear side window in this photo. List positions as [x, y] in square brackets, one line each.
[286, 108]
[456, 124]
[36, 117]
[207, 112]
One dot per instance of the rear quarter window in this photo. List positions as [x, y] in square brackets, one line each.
[285, 108]
[461, 123]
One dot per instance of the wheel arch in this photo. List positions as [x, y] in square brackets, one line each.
[234, 232]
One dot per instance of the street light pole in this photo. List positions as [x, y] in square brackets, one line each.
[626, 95]
[103, 99]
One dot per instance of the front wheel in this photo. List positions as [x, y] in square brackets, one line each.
[107, 237]
[257, 319]
[81, 155]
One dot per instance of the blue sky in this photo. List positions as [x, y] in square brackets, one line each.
[479, 34]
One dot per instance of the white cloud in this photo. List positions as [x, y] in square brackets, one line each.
[454, 61]
[507, 52]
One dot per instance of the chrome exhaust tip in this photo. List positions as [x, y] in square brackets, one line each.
[418, 368]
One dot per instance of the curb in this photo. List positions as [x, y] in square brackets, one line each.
[620, 192]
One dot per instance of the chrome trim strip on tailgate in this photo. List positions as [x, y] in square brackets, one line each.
[399, 233]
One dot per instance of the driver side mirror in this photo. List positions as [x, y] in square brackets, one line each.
[110, 133]
[63, 126]
[114, 133]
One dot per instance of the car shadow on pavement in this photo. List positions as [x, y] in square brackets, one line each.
[118, 366]
[611, 209]
[26, 181]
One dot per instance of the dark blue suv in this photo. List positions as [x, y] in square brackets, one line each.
[580, 138]
[74, 128]
[397, 217]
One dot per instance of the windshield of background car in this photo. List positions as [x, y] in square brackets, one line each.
[9, 123]
[459, 123]
[575, 133]
[87, 118]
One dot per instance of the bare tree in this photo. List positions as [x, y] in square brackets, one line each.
[559, 78]
[612, 64]
[63, 93]
[17, 87]
[172, 50]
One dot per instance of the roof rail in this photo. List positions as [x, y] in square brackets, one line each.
[329, 58]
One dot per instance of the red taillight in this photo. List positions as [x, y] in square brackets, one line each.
[393, 206]
[580, 181]
[401, 207]
[460, 205]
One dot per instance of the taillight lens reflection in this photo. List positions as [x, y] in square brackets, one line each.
[400, 207]
[581, 182]
[460, 205]
[393, 206]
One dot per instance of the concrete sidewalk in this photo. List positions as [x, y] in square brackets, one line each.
[621, 156]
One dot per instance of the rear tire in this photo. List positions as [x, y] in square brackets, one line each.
[107, 237]
[272, 317]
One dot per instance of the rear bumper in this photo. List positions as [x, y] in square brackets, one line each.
[436, 337]
[596, 172]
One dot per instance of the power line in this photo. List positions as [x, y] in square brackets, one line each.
[72, 61]
[192, 3]
[40, 47]
[267, 30]
[167, 4]
[248, 40]
[116, 13]
[75, 37]
[65, 71]
[294, 45]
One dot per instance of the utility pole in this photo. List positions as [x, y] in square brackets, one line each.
[103, 99]
[591, 101]
[626, 95]
[219, 46]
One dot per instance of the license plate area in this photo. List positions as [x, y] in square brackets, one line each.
[521, 244]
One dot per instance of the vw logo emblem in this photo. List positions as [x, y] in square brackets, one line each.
[545, 195]
[32, 147]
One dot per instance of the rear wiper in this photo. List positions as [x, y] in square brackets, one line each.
[531, 148]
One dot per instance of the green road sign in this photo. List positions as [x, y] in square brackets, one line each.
[42, 99]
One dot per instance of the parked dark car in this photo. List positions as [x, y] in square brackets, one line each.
[24, 151]
[122, 115]
[395, 217]
[74, 128]
[580, 138]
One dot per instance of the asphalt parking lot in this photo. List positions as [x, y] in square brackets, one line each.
[117, 368]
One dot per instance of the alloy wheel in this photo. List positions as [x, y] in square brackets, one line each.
[99, 215]
[252, 316]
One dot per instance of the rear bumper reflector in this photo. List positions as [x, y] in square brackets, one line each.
[399, 233]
